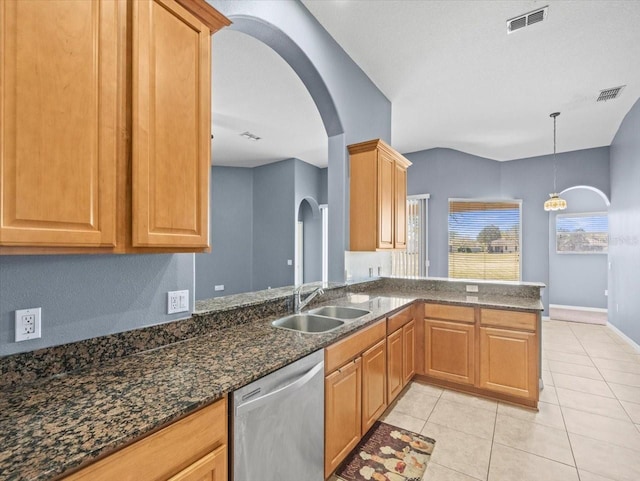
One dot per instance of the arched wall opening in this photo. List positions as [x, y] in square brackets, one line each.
[337, 155]
[308, 257]
[578, 276]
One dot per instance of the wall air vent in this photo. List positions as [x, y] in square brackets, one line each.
[249, 136]
[527, 19]
[610, 94]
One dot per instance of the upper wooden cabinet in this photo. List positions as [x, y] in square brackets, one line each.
[378, 197]
[106, 125]
[60, 99]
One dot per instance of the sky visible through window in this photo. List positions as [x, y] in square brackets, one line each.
[590, 223]
[582, 233]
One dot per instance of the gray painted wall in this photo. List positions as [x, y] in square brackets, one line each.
[310, 183]
[274, 217]
[230, 261]
[312, 242]
[577, 279]
[352, 108]
[446, 173]
[624, 227]
[89, 296]
[532, 180]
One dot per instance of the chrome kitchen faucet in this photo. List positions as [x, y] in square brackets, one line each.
[298, 302]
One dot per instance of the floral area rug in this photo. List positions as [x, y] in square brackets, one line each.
[387, 453]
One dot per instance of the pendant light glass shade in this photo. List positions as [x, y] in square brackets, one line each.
[555, 202]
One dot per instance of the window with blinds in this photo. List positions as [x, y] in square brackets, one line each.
[413, 261]
[584, 233]
[484, 239]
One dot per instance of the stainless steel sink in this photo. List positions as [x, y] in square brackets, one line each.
[339, 312]
[308, 323]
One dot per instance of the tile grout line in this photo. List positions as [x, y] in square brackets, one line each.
[605, 381]
[493, 437]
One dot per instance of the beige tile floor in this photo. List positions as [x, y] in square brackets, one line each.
[587, 427]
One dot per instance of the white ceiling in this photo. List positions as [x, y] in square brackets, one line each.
[255, 90]
[453, 75]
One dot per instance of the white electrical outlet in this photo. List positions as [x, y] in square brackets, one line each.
[289, 262]
[177, 301]
[219, 287]
[28, 325]
[472, 288]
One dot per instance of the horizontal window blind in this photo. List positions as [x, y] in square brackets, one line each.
[584, 233]
[484, 239]
[412, 262]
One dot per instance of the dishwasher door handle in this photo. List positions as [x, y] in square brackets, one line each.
[278, 393]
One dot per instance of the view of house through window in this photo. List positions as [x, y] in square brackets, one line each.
[484, 239]
[586, 233]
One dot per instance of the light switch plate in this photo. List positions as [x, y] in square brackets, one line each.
[219, 287]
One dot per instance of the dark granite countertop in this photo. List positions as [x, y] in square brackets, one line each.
[53, 425]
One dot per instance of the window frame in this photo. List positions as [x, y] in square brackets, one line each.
[579, 214]
[489, 200]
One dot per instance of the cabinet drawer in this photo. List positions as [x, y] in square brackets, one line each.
[164, 453]
[509, 319]
[450, 313]
[398, 320]
[342, 351]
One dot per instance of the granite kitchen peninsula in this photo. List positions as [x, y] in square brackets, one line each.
[67, 406]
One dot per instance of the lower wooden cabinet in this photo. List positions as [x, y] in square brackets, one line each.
[394, 371]
[191, 449]
[355, 390]
[508, 362]
[213, 467]
[450, 351]
[374, 384]
[483, 350]
[343, 413]
[408, 352]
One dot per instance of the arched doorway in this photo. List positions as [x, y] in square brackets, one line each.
[308, 263]
[578, 260]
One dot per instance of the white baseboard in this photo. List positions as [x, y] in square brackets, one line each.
[633, 343]
[577, 308]
[589, 315]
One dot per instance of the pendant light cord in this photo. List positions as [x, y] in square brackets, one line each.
[555, 161]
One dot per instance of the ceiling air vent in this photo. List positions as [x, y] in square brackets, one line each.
[527, 19]
[610, 94]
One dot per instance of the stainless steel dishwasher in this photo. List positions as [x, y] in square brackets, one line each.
[278, 424]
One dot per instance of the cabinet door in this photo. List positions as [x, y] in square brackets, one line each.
[400, 202]
[374, 384]
[386, 201]
[171, 126]
[59, 100]
[449, 350]
[213, 467]
[394, 373]
[343, 414]
[408, 352]
[508, 362]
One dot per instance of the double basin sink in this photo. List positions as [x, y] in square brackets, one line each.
[319, 320]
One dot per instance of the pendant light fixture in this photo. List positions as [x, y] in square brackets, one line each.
[555, 202]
